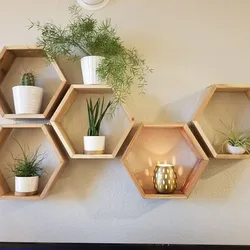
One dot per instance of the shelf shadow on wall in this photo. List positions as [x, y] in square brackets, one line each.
[103, 189]
[181, 110]
[214, 184]
[216, 166]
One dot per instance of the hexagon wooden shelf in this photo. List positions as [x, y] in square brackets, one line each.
[169, 143]
[223, 103]
[31, 132]
[72, 112]
[18, 59]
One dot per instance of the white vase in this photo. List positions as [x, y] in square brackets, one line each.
[235, 150]
[94, 144]
[26, 186]
[27, 99]
[89, 65]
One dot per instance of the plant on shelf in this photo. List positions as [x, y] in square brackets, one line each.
[235, 141]
[27, 170]
[93, 142]
[104, 58]
[27, 97]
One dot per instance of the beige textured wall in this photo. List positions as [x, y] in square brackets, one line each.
[191, 44]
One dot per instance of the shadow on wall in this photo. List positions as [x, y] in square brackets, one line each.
[187, 105]
[106, 182]
[222, 177]
[216, 166]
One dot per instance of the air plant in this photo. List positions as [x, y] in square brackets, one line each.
[235, 137]
[27, 165]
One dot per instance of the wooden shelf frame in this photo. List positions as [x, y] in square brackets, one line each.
[199, 131]
[7, 58]
[64, 106]
[193, 177]
[5, 131]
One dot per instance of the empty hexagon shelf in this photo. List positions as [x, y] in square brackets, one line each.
[30, 136]
[222, 105]
[72, 113]
[169, 143]
[16, 60]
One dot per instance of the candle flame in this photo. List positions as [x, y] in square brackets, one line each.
[150, 163]
[174, 160]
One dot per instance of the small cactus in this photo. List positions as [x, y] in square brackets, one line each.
[28, 79]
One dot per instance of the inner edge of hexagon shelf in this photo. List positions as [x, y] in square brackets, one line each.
[64, 106]
[7, 58]
[198, 168]
[199, 132]
[5, 131]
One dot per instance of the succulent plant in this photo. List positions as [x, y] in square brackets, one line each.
[28, 79]
[96, 113]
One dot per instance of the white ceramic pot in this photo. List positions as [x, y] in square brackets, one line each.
[235, 150]
[89, 65]
[25, 186]
[27, 99]
[94, 144]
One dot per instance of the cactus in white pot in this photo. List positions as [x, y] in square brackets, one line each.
[27, 96]
[94, 143]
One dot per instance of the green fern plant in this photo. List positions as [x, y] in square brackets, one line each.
[96, 114]
[84, 36]
[27, 165]
[235, 137]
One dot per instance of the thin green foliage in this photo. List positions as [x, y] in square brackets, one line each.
[96, 114]
[234, 137]
[84, 36]
[27, 165]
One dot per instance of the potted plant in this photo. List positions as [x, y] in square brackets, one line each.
[27, 171]
[104, 58]
[27, 97]
[93, 142]
[235, 141]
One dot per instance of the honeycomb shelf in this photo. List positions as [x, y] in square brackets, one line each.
[72, 112]
[222, 104]
[15, 60]
[170, 143]
[53, 163]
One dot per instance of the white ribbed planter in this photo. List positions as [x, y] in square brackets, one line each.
[25, 186]
[235, 150]
[94, 144]
[27, 99]
[89, 65]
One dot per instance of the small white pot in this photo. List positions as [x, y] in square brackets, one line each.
[94, 144]
[27, 99]
[25, 186]
[89, 65]
[235, 150]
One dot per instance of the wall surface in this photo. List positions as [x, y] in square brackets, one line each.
[191, 44]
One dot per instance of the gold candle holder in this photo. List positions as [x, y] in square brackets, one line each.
[165, 178]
